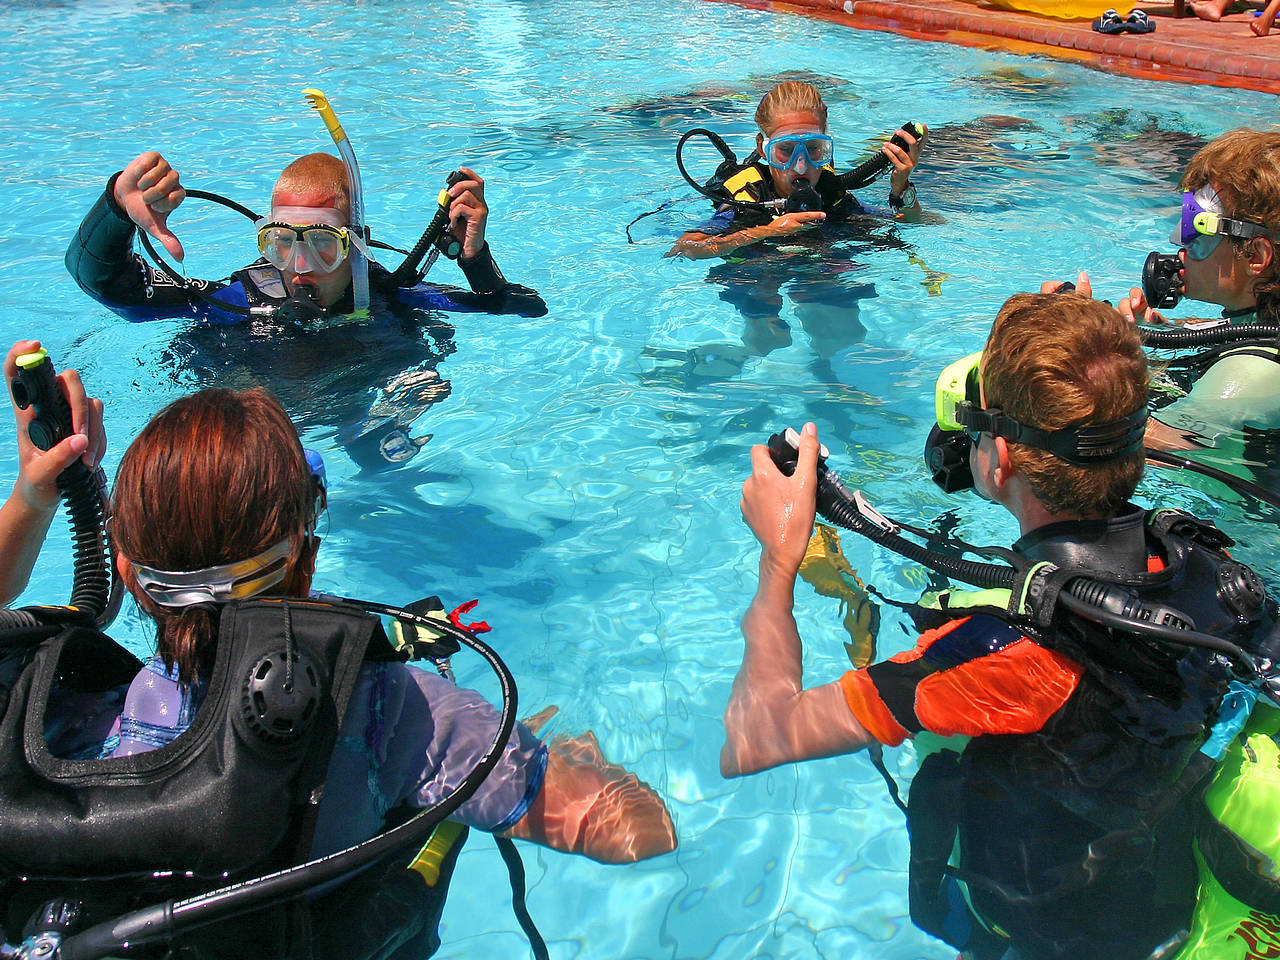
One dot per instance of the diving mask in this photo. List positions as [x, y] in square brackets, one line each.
[1203, 225]
[307, 239]
[784, 152]
[958, 407]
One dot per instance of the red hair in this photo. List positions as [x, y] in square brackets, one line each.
[215, 477]
[321, 176]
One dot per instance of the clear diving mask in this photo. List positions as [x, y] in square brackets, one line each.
[241, 578]
[307, 239]
[961, 421]
[784, 152]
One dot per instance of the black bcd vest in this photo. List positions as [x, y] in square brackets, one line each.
[232, 798]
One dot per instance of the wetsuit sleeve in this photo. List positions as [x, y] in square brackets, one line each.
[512, 298]
[421, 736]
[1239, 389]
[971, 677]
[101, 260]
[718, 225]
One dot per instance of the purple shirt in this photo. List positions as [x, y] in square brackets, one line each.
[409, 737]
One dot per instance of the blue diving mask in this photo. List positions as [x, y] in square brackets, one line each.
[784, 152]
[1203, 226]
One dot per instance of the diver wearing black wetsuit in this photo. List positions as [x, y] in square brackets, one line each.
[102, 261]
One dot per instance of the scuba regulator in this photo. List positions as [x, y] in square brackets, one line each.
[1162, 279]
[95, 590]
[1044, 587]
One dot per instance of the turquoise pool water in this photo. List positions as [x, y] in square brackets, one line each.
[583, 472]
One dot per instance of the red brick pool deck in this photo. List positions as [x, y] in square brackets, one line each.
[1182, 49]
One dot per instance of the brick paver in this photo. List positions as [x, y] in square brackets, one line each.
[1185, 50]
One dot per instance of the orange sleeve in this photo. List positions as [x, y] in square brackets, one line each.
[972, 677]
[869, 710]
[1014, 691]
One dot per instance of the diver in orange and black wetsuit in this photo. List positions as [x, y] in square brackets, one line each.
[1058, 819]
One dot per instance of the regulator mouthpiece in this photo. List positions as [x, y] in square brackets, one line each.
[803, 198]
[1162, 279]
[946, 457]
[301, 307]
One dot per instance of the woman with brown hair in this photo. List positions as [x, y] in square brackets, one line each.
[260, 697]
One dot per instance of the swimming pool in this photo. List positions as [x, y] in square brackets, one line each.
[583, 472]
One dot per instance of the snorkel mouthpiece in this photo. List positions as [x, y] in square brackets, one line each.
[1162, 279]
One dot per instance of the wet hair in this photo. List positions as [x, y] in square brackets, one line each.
[320, 175]
[790, 96]
[1244, 168]
[214, 478]
[1064, 360]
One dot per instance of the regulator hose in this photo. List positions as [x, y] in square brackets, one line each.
[408, 274]
[165, 920]
[1182, 337]
[877, 163]
[1092, 599]
[837, 504]
[93, 588]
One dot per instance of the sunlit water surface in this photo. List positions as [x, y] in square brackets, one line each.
[583, 474]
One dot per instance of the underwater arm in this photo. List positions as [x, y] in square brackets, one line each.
[771, 719]
[507, 299]
[703, 246]
[595, 808]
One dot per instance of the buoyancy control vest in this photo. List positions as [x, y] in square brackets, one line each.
[1076, 840]
[232, 797]
[751, 182]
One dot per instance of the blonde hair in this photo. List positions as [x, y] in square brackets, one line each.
[790, 96]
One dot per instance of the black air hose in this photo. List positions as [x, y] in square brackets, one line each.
[873, 166]
[1181, 337]
[835, 503]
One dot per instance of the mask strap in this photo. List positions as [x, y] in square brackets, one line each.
[217, 584]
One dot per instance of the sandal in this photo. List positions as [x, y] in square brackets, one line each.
[1139, 22]
[1109, 22]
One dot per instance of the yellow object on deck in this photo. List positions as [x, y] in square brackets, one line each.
[1061, 9]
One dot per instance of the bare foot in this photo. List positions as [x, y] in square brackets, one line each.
[1261, 26]
[1211, 10]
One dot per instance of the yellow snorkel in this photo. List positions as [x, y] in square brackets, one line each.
[359, 264]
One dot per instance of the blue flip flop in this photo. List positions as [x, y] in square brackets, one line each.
[1109, 22]
[1139, 22]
